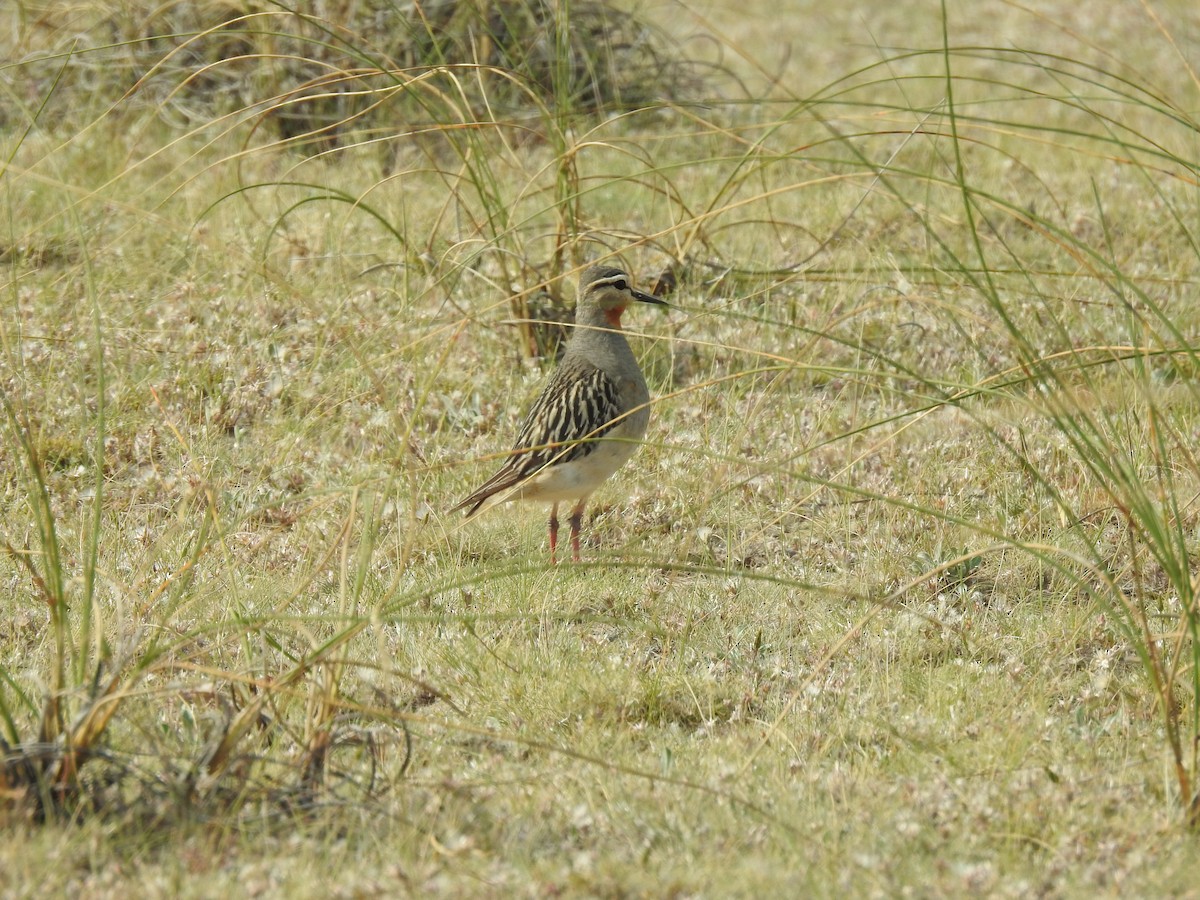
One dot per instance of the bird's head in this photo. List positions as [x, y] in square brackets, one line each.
[610, 290]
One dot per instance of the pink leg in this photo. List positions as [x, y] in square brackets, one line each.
[576, 520]
[553, 533]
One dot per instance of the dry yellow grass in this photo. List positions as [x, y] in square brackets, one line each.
[847, 623]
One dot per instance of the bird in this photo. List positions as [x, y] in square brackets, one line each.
[589, 417]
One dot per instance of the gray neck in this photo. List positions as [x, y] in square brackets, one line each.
[589, 314]
[596, 341]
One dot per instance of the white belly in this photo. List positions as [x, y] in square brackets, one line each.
[579, 477]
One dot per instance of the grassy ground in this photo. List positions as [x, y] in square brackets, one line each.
[897, 598]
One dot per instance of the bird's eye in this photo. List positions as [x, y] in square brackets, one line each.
[621, 285]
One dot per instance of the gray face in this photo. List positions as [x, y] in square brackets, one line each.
[613, 287]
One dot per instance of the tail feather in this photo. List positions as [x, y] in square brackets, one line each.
[503, 480]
